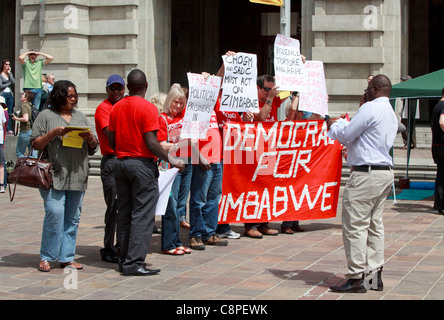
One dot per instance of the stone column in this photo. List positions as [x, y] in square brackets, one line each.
[354, 39]
[92, 39]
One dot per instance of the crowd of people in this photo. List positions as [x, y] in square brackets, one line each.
[139, 137]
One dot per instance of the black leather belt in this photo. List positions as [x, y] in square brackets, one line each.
[370, 168]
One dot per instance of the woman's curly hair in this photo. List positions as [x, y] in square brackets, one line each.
[59, 94]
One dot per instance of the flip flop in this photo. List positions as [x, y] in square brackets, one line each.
[176, 252]
[184, 249]
[44, 266]
[74, 264]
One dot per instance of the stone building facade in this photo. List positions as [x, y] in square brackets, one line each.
[91, 39]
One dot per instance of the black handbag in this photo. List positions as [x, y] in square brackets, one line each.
[30, 172]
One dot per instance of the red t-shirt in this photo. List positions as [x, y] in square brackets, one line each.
[170, 131]
[225, 116]
[101, 118]
[130, 118]
[272, 116]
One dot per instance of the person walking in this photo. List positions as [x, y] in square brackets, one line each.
[25, 114]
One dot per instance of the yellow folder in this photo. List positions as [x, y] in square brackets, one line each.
[72, 138]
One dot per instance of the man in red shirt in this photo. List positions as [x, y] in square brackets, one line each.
[133, 136]
[115, 89]
[269, 102]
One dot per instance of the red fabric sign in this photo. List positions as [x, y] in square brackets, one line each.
[279, 171]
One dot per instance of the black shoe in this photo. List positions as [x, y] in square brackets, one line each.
[142, 271]
[110, 258]
[157, 230]
[351, 286]
[436, 208]
[379, 284]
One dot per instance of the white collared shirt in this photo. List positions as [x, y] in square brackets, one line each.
[370, 134]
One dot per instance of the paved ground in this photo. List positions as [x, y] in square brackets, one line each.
[287, 267]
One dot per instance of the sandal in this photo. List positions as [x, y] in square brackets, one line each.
[44, 266]
[74, 264]
[176, 252]
[185, 225]
[184, 249]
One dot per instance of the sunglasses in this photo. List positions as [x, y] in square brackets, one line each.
[266, 89]
[117, 88]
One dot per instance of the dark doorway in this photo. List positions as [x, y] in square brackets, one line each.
[436, 41]
[7, 25]
[204, 30]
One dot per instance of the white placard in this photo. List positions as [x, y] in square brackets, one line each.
[239, 89]
[202, 98]
[288, 66]
[314, 98]
[165, 181]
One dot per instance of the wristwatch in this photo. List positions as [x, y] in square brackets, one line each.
[326, 118]
[268, 101]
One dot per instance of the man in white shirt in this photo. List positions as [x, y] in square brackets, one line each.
[368, 137]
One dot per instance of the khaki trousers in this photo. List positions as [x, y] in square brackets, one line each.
[362, 226]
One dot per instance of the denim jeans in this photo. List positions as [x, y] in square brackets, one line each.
[60, 225]
[205, 193]
[23, 142]
[9, 98]
[37, 97]
[171, 219]
[184, 190]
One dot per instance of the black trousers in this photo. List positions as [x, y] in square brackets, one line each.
[137, 194]
[109, 193]
[438, 158]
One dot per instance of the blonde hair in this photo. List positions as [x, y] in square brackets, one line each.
[175, 93]
[158, 100]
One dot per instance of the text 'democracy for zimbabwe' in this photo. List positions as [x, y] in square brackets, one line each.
[279, 171]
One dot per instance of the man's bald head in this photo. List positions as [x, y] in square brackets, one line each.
[379, 86]
[137, 83]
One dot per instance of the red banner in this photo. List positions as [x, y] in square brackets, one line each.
[279, 171]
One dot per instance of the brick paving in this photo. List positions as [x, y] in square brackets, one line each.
[286, 267]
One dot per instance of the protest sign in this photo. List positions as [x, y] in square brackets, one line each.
[279, 171]
[314, 98]
[202, 98]
[288, 65]
[239, 89]
[165, 182]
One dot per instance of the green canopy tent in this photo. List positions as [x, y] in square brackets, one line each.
[424, 87]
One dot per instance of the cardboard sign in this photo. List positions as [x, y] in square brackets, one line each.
[202, 98]
[314, 98]
[239, 89]
[288, 66]
[281, 171]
